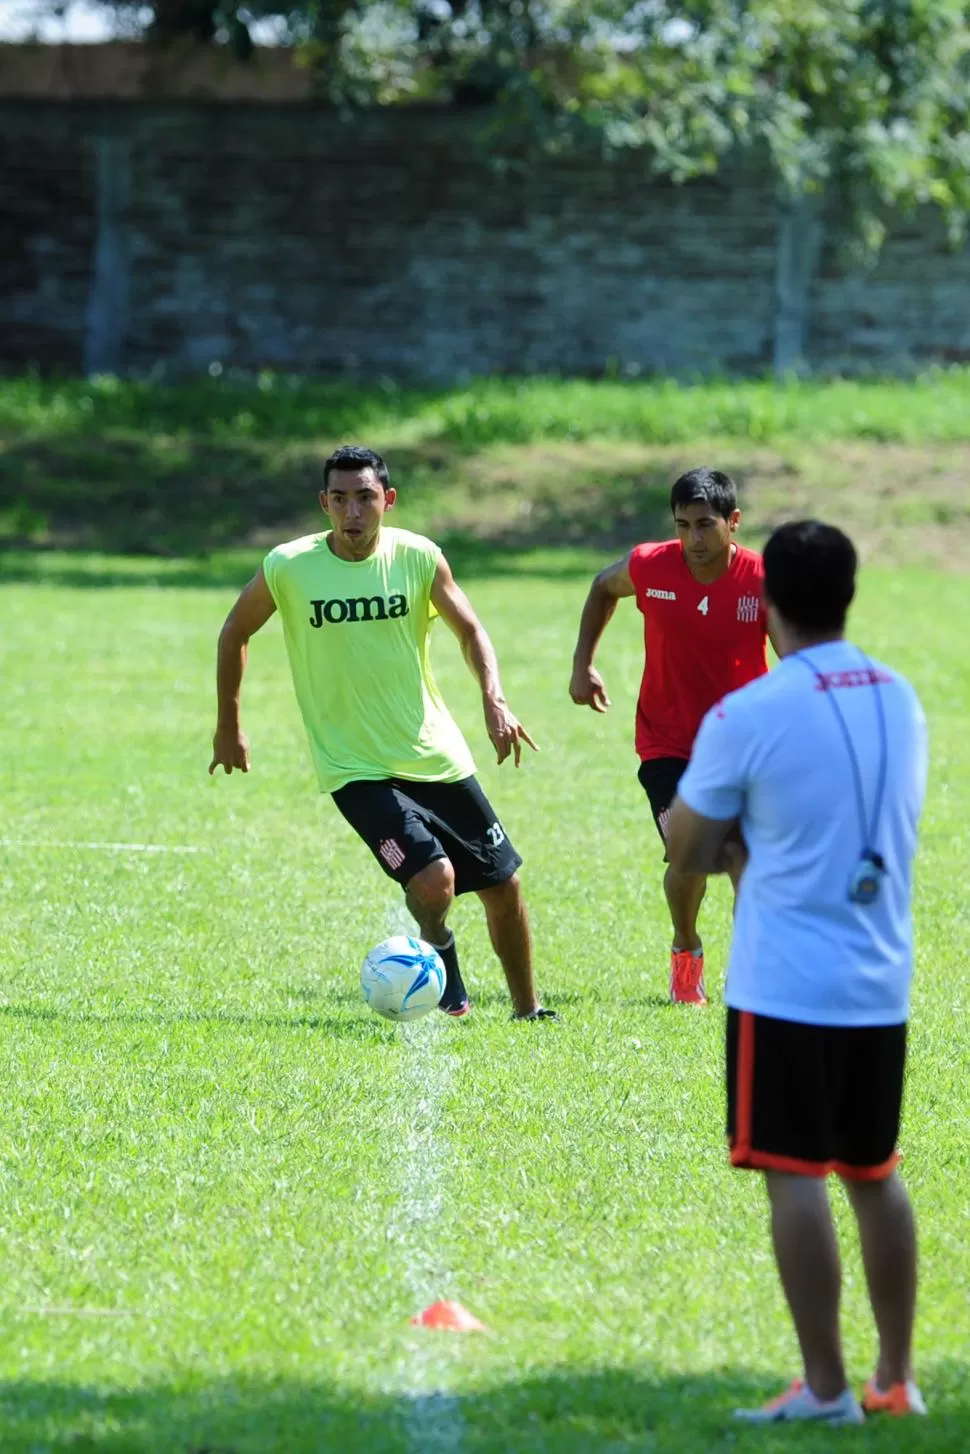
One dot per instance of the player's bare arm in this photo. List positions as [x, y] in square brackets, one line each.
[252, 610]
[587, 687]
[505, 730]
[696, 844]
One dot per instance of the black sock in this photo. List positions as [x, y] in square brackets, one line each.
[455, 993]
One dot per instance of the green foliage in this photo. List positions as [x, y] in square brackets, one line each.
[870, 97]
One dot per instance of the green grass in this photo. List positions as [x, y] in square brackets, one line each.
[216, 464]
[931, 408]
[225, 1186]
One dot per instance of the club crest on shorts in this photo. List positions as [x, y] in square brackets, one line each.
[749, 608]
[391, 852]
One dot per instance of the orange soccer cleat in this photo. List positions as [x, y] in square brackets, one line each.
[687, 977]
[899, 1399]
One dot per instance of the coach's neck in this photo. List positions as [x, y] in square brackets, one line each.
[788, 638]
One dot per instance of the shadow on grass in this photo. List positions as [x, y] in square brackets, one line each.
[35, 567]
[360, 1027]
[349, 1026]
[470, 559]
[581, 1412]
[591, 998]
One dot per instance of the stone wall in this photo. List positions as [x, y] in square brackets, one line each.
[178, 234]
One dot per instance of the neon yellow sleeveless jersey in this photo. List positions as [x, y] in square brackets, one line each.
[357, 637]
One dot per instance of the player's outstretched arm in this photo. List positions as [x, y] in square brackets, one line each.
[504, 729]
[587, 687]
[252, 610]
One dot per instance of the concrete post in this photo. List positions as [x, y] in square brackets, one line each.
[799, 243]
[105, 323]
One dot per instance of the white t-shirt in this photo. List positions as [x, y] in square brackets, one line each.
[774, 755]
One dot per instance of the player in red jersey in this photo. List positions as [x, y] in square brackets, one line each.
[704, 632]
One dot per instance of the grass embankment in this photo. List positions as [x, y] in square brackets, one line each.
[492, 466]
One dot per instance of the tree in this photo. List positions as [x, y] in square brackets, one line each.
[866, 102]
[869, 98]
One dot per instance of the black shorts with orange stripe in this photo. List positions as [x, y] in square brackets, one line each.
[813, 1099]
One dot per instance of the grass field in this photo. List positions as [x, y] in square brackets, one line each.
[225, 1186]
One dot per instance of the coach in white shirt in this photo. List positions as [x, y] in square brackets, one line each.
[822, 766]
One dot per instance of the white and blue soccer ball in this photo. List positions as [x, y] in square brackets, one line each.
[403, 978]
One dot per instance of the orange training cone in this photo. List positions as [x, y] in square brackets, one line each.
[450, 1316]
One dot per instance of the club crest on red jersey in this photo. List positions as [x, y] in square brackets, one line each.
[749, 608]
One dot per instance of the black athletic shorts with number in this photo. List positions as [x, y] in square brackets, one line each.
[659, 777]
[812, 1099]
[407, 825]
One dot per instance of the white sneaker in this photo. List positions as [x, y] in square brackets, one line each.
[798, 1402]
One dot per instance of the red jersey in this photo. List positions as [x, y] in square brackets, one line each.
[702, 641]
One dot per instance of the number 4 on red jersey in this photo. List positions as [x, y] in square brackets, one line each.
[702, 641]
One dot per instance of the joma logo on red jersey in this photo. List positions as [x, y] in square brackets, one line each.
[661, 595]
[358, 608]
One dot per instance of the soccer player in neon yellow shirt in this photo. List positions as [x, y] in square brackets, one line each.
[357, 603]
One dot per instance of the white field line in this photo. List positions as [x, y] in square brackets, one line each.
[433, 1420]
[101, 847]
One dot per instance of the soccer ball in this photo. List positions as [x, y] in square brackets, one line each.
[403, 978]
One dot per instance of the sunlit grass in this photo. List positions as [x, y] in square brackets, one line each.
[933, 407]
[225, 1186]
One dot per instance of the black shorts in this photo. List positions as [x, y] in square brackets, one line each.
[659, 777]
[811, 1099]
[407, 825]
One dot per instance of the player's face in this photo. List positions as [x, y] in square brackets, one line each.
[355, 502]
[704, 534]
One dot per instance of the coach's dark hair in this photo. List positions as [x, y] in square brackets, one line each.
[705, 487]
[356, 457]
[810, 574]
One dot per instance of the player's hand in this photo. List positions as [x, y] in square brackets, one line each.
[230, 749]
[733, 856]
[588, 689]
[506, 731]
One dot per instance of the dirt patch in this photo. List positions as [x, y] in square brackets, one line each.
[901, 504]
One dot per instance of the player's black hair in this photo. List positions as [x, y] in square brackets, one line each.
[705, 487]
[810, 574]
[356, 457]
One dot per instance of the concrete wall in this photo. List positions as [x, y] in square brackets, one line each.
[139, 234]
